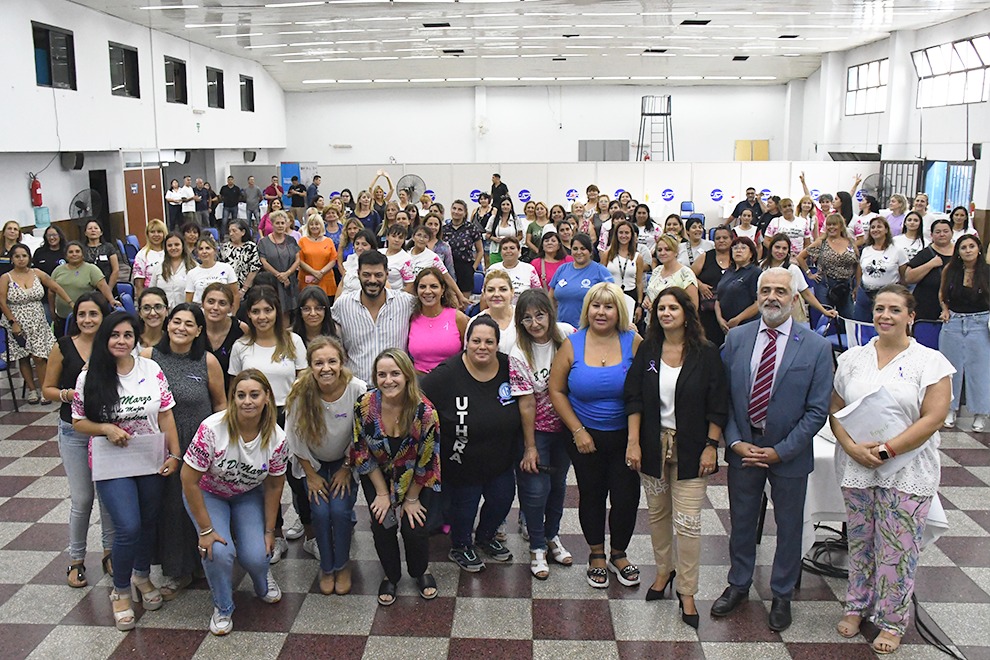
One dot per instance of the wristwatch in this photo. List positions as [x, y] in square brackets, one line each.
[884, 453]
[712, 442]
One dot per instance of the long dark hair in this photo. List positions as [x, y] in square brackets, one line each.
[283, 338]
[768, 259]
[320, 297]
[952, 222]
[649, 218]
[100, 393]
[954, 271]
[198, 347]
[94, 297]
[447, 297]
[694, 333]
[845, 205]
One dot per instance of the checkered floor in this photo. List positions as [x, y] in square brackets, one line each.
[502, 612]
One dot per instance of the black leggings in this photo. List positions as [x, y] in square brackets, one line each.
[415, 540]
[602, 475]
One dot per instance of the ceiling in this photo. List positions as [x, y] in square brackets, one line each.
[346, 44]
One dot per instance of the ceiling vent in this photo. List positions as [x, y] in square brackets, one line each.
[695, 21]
[437, 25]
[788, 36]
[453, 51]
[654, 51]
[740, 58]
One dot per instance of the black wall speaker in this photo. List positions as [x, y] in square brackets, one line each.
[72, 160]
[249, 156]
[977, 150]
[182, 157]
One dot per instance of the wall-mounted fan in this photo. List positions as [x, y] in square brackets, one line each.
[85, 205]
[878, 186]
[413, 185]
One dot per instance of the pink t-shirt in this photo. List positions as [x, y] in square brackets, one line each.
[539, 266]
[433, 340]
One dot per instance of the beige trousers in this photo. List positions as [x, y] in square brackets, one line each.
[675, 508]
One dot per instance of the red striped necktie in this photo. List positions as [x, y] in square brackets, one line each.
[759, 399]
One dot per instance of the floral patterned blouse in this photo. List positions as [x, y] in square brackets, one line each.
[418, 455]
[462, 240]
[244, 258]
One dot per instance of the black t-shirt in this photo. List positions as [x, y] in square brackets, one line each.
[765, 220]
[297, 201]
[231, 196]
[480, 426]
[46, 260]
[222, 353]
[743, 205]
[926, 291]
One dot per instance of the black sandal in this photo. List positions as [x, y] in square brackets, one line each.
[386, 589]
[80, 579]
[627, 576]
[424, 582]
[108, 564]
[597, 577]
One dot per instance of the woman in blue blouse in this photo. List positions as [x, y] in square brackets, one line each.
[586, 387]
[573, 281]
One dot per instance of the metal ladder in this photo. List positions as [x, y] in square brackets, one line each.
[656, 134]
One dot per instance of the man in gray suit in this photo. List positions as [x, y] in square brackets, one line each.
[780, 385]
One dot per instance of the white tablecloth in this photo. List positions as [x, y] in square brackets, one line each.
[824, 503]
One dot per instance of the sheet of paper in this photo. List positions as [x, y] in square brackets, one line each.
[877, 417]
[144, 454]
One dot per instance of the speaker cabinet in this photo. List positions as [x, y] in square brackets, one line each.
[72, 160]
[249, 156]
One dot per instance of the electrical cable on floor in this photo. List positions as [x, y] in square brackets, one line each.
[821, 562]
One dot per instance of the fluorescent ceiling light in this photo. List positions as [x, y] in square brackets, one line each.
[315, 59]
[319, 81]
[209, 25]
[267, 46]
[311, 3]
[234, 36]
[153, 7]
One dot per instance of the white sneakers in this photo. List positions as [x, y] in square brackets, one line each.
[979, 423]
[295, 531]
[278, 550]
[274, 591]
[220, 624]
[309, 545]
[950, 420]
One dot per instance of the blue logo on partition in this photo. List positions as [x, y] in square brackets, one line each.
[765, 194]
[524, 195]
[335, 193]
[667, 194]
[716, 195]
[475, 195]
[859, 195]
[815, 194]
[433, 195]
[618, 192]
[571, 195]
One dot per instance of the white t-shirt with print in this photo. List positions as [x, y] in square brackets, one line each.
[338, 416]
[426, 259]
[881, 268]
[144, 393]
[199, 278]
[232, 466]
[797, 230]
[400, 270]
[523, 277]
[280, 374]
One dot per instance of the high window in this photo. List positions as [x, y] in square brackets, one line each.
[175, 81]
[124, 79]
[54, 57]
[214, 87]
[953, 73]
[247, 94]
[866, 88]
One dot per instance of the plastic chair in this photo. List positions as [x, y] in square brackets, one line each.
[926, 333]
[125, 288]
[814, 316]
[130, 252]
[133, 240]
[697, 216]
[213, 232]
[858, 333]
[6, 364]
[479, 283]
[830, 329]
[711, 233]
[127, 300]
[68, 324]
[123, 253]
[687, 208]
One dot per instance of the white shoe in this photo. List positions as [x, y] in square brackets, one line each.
[295, 531]
[278, 550]
[501, 535]
[950, 420]
[274, 592]
[310, 546]
[979, 423]
[220, 624]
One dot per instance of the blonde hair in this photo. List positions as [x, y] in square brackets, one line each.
[268, 415]
[412, 392]
[608, 293]
[669, 241]
[305, 399]
[838, 219]
[811, 211]
[497, 274]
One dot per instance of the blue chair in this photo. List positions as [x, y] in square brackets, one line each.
[831, 329]
[133, 240]
[6, 365]
[68, 324]
[815, 317]
[122, 252]
[858, 333]
[479, 283]
[123, 288]
[926, 333]
[687, 208]
[711, 233]
[213, 232]
[127, 301]
[697, 216]
[130, 252]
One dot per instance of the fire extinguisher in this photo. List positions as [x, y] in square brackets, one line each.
[35, 191]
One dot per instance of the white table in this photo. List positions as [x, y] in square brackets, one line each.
[824, 503]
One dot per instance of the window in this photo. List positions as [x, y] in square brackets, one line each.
[247, 94]
[953, 73]
[175, 81]
[124, 79]
[54, 57]
[214, 87]
[866, 88]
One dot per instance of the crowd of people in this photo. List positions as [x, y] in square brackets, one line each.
[356, 353]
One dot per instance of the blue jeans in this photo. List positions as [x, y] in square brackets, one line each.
[133, 504]
[498, 491]
[541, 495]
[332, 522]
[864, 305]
[965, 342]
[845, 306]
[74, 449]
[240, 520]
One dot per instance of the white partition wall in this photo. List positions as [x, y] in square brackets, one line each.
[472, 177]
[665, 186]
[566, 182]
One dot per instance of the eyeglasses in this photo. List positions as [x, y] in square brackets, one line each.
[539, 317]
[148, 309]
[313, 310]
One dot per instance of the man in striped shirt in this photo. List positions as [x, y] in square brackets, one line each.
[374, 318]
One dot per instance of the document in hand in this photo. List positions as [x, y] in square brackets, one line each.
[144, 454]
[877, 417]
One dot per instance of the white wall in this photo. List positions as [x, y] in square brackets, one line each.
[521, 124]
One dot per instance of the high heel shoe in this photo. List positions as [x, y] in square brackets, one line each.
[151, 599]
[653, 594]
[690, 619]
[123, 619]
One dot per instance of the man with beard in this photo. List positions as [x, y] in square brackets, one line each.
[374, 318]
[780, 381]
